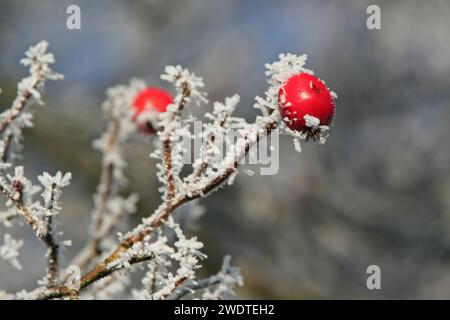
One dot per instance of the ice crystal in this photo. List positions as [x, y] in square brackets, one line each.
[52, 189]
[10, 250]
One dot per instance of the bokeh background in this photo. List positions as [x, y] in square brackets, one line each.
[378, 192]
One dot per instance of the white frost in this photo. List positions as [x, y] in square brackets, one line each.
[311, 121]
[10, 250]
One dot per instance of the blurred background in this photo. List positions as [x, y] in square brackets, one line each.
[378, 192]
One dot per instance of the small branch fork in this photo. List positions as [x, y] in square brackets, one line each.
[42, 229]
[36, 225]
[159, 216]
[166, 134]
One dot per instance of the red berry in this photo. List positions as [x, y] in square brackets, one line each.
[304, 94]
[152, 100]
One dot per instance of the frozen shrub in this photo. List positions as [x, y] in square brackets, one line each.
[170, 257]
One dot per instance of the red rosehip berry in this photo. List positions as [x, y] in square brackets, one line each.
[304, 94]
[147, 103]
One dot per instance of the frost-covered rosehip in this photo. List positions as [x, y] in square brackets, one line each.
[147, 104]
[305, 95]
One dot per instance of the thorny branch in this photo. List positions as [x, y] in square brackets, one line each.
[36, 225]
[42, 229]
[142, 243]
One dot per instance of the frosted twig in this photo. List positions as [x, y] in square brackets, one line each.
[52, 192]
[12, 121]
[157, 219]
[120, 127]
[38, 60]
[39, 217]
[221, 119]
[36, 225]
[218, 286]
[187, 85]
